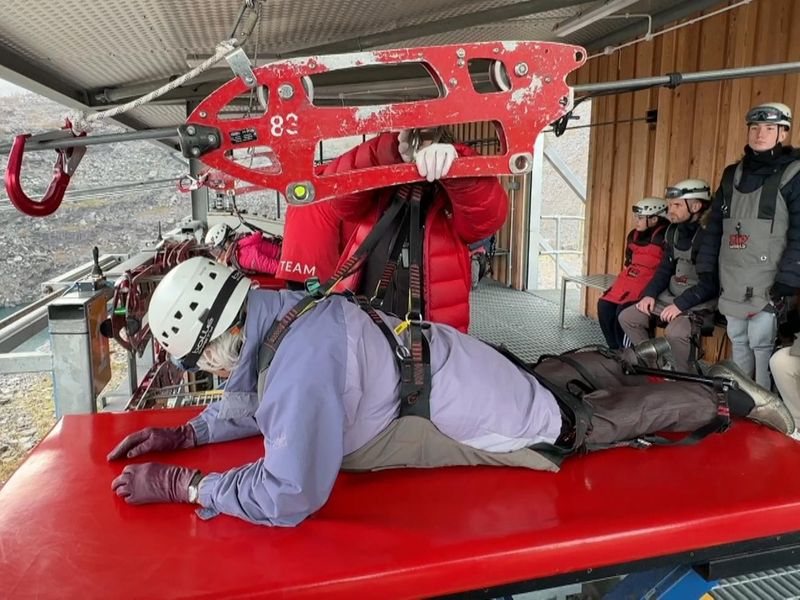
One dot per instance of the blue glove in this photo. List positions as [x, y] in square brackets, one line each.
[154, 439]
[153, 482]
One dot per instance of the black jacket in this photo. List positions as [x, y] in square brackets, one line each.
[708, 286]
[754, 174]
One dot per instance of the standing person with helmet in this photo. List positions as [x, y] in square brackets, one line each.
[453, 213]
[252, 252]
[643, 252]
[753, 238]
[677, 295]
[330, 396]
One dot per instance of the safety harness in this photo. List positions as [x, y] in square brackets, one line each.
[413, 358]
[578, 414]
[769, 193]
[588, 384]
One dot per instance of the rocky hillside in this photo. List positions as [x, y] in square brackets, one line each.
[35, 249]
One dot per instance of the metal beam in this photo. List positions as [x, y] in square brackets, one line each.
[535, 216]
[25, 328]
[24, 73]
[562, 168]
[660, 19]
[400, 34]
[25, 362]
[199, 195]
[626, 85]
[22, 325]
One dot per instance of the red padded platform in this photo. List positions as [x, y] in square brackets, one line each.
[394, 534]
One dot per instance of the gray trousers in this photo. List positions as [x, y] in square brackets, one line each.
[627, 406]
[636, 326]
[753, 340]
[786, 371]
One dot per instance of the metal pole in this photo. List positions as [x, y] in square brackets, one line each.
[200, 195]
[535, 216]
[91, 140]
[678, 78]
[558, 247]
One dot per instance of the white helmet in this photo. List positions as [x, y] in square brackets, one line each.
[775, 113]
[217, 235]
[195, 303]
[689, 188]
[650, 207]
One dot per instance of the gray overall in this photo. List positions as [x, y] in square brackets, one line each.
[754, 228]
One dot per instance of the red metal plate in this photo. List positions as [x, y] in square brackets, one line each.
[63, 534]
[292, 126]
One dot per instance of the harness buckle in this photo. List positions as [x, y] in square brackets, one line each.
[414, 317]
[402, 352]
[312, 286]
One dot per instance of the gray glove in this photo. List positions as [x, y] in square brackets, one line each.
[154, 439]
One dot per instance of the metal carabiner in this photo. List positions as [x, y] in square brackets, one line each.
[187, 183]
[66, 163]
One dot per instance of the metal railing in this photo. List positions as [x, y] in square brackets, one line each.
[557, 251]
[29, 321]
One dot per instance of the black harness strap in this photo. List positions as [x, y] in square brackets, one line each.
[727, 189]
[413, 361]
[569, 402]
[279, 329]
[415, 370]
[395, 249]
[587, 377]
[769, 191]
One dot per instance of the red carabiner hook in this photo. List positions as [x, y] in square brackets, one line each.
[66, 163]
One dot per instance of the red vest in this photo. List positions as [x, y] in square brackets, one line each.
[634, 277]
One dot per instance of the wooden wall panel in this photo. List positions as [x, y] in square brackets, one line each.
[700, 127]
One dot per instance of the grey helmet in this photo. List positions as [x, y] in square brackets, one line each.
[650, 207]
[775, 113]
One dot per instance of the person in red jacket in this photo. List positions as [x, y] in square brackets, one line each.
[252, 253]
[456, 213]
[645, 247]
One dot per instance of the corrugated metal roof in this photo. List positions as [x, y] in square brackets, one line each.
[75, 48]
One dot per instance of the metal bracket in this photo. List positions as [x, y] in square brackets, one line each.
[196, 140]
[240, 65]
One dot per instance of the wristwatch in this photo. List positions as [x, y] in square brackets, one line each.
[194, 487]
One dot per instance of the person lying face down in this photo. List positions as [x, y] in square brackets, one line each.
[330, 400]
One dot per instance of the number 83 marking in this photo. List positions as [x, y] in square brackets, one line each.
[280, 125]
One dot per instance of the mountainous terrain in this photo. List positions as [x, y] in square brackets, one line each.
[36, 249]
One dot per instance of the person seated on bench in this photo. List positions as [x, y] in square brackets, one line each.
[337, 387]
[676, 295]
[785, 368]
[643, 252]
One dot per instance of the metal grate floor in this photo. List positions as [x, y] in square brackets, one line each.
[527, 324]
[782, 584]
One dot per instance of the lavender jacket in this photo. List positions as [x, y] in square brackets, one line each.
[332, 387]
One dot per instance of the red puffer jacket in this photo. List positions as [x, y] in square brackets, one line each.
[319, 236]
[463, 211]
[254, 253]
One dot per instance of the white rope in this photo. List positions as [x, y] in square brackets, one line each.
[650, 36]
[82, 122]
